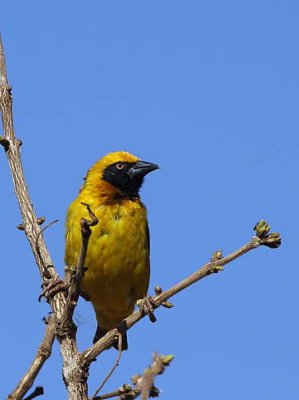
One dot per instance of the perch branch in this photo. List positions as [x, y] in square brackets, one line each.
[43, 353]
[214, 266]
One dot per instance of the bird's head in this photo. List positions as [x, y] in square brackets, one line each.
[118, 173]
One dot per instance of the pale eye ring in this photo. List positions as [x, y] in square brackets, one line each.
[120, 166]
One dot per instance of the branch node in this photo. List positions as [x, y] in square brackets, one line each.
[40, 220]
[5, 143]
[167, 304]
[216, 268]
[272, 240]
[21, 227]
[158, 290]
[38, 391]
[217, 255]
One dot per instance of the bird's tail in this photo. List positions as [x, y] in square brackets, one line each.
[100, 332]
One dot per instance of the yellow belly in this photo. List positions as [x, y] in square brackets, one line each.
[117, 259]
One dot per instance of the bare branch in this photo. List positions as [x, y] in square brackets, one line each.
[43, 353]
[143, 384]
[76, 377]
[214, 266]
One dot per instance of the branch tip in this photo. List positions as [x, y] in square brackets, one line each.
[272, 240]
[166, 359]
[167, 304]
[262, 229]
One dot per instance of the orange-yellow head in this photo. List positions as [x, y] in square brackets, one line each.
[117, 174]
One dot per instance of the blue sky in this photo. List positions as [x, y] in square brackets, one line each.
[209, 91]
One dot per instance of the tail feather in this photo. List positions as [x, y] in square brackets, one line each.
[100, 332]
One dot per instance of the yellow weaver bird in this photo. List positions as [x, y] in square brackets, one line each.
[117, 260]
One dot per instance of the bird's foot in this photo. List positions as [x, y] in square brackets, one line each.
[51, 288]
[146, 306]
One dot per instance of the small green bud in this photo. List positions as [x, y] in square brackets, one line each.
[217, 255]
[216, 268]
[166, 360]
[262, 229]
[167, 304]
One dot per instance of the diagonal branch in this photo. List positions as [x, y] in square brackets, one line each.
[43, 353]
[214, 266]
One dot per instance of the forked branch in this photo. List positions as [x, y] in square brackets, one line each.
[142, 384]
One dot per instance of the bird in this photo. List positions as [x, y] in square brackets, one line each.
[117, 263]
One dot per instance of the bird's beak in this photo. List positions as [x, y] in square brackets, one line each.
[141, 168]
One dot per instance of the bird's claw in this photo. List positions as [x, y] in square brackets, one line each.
[146, 306]
[51, 288]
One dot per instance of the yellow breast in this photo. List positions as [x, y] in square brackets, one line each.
[117, 259]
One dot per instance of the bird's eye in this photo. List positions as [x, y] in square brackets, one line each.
[120, 166]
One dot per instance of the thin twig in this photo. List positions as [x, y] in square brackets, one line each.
[43, 353]
[76, 276]
[211, 267]
[116, 364]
